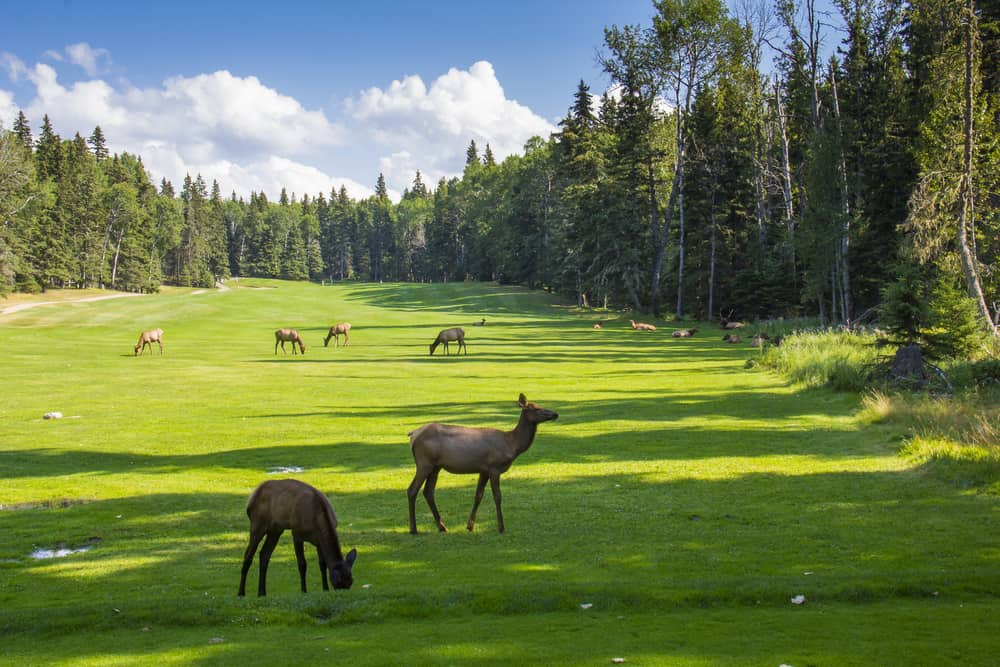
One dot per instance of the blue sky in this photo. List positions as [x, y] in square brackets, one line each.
[306, 95]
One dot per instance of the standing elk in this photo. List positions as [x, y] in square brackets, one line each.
[336, 331]
[450, 336]
[148, 338]
[684, 333]
[282, 504]
[283, 336]
[466, 450]
[642, 326]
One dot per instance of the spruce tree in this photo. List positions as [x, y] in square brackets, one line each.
[23, 130]
[98, 144]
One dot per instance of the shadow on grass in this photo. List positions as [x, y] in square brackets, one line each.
[633, 544]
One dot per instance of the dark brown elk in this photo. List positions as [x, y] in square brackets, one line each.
[288, 504]
[466, 450]
[148, 338]
[283, 336]
[642, 326]
[450, 336]
[336, 331]
[684, 333]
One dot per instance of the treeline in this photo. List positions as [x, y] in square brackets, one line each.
[700, 186]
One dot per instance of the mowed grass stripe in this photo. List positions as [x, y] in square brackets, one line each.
[674, 480]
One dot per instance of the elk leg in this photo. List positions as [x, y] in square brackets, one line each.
[255, 539]
[322, 569]
[432, 480]
[265, 558]
[300, 558]
[411, 496]
[495, 487]
[480, 488]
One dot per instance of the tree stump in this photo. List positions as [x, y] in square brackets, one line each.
[908, 366]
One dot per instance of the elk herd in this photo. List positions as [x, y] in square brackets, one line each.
[288, 504]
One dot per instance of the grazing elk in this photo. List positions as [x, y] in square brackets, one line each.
[148, 338]
[466, 450]
[336, 331]
[450, 336]
[684, 333]
[288, 504]
[285, 335]
[642, 326]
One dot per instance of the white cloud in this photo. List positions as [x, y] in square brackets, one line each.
[251, 137]
[437, 123]
[8, 110]
[15, 66]
[93, 61]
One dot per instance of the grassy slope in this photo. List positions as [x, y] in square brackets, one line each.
[684, 498]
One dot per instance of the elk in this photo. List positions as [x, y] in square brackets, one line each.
[282, 504]
[148, 338]
[731, 338]
[598, 326]
[481, 323]
[759, 340]
[466, 450]
[450, 335]
[684, 333]
[285, 335]
[642, 326]
[336, 331]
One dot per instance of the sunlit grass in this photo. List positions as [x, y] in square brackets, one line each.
[683, 496]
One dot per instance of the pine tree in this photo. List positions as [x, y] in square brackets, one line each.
[48, 152]
[23, 130]
[488, 159]
[98, 144]
[471, 154]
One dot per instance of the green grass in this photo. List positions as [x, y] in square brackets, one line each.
[685, 498]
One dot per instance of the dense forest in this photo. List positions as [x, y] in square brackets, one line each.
[845, 187]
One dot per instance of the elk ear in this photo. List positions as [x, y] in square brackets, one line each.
[352, 556]
[521, 400]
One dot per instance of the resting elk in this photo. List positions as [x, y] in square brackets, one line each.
[642, 326]
[336, 331]
[684, 333]
[288, 504]
[450, 336]
[288, 335]
[598, 326]
[466, 450]
[732, 338]
[148, 338]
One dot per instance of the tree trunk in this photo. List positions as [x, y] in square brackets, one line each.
[966, 214]
[845, 211]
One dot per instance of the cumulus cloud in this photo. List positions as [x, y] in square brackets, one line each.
[251, 137]
[436, 123]
[15, 66]
[8, 110]
[233, 129]
[93, 61]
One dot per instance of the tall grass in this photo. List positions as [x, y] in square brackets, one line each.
[843, 360]
[957, 438]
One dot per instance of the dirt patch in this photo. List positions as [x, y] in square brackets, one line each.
[43, 505]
